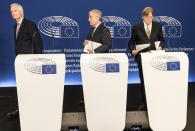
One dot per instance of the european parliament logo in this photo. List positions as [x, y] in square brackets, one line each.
[119, 27]
[48, 69]
[41, 66]
[59, 27]
[173, 66]
[104, 65]
[165, 63]
[173, 30]
[112, 67]
[171, 27]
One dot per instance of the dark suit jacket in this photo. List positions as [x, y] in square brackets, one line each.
[139, 36]
[29, 40]
[101, 35]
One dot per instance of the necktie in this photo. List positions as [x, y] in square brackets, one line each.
[17, 30]
[93, 30]
[148, 31]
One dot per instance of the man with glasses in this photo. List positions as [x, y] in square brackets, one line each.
[143, 38]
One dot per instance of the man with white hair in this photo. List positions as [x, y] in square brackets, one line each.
[26, 35]
[98, 33]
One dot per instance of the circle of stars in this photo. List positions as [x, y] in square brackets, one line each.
[69, 32]
[122, 29]
[172, 31]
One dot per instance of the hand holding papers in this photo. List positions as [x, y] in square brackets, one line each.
[143, 46]
[146, 47]
[91, 46]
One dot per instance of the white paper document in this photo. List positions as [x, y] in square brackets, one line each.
[91, 46]
[143, 46]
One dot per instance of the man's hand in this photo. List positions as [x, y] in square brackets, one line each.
[134, 52]
[90, 51]
[85, 42]
[159, 48]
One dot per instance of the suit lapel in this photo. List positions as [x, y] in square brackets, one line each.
[21, 27]
[91, 31]
[152, 30]
[96, 31]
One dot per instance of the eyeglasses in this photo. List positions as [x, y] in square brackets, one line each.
[149, 17]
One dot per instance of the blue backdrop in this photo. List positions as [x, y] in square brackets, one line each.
[63, 25]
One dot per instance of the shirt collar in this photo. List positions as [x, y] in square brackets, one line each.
[20, 22]
[97, 25]
[145, 25]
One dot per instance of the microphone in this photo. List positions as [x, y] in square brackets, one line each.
[32, 42]
[166, 36]
[91, 42]
[52, 35]
[112, 47]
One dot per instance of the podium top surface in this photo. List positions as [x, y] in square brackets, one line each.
[40, 58]
[104, 58]
[116, 55]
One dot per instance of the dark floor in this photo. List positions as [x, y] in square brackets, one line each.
[73, 96]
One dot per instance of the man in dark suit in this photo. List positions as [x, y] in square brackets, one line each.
[144, 35]
[98, 33]
[26, 36]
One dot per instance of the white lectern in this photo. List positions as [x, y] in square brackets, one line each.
[40, 88]
[166, 85]
[104, 78]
